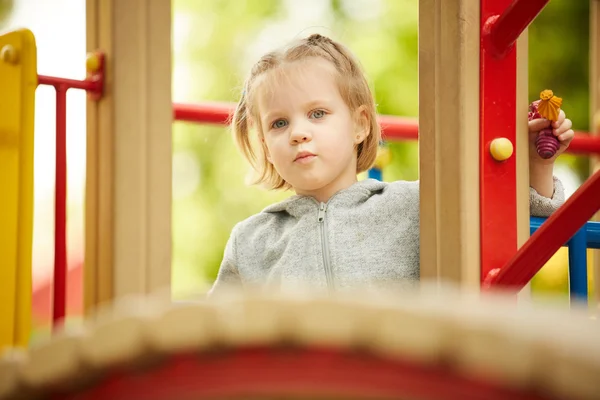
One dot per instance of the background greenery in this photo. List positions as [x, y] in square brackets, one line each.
[215, 42]
[224, 37]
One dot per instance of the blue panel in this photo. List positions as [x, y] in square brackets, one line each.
[578, 266]
[375, 173]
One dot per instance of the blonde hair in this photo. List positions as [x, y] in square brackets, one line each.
[353, 87]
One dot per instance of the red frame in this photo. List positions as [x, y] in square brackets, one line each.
[502, 22]
[265, 372]
[498, 211]
[94, 86]
[546, 241]
[513, 21]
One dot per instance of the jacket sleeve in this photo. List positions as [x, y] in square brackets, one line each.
[540, 206]
[228, 277]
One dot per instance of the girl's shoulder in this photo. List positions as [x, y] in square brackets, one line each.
[402, 192]
[399, 198]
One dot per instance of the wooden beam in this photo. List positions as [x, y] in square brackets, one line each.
[522, 145]
[98, 190]
[128, 193]
[449, 140]
[428, 36]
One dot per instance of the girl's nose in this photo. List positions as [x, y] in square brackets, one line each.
[299, 137]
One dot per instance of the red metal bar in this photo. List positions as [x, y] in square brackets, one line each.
[507, 28]
[497, 102]
[86, 85]
[94, 86]
[546, 240]
[584, 143]
[398, 128]
[60, 208]
[220, 113]
[394, 128]
[206, 112]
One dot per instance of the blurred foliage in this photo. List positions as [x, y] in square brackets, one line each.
[559, 60]
[216, 42]
[6, 7]
[554, 277]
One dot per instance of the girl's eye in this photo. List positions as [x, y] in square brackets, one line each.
[280, 123]
[318, 114]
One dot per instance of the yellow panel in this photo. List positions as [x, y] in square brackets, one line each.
[18, 82]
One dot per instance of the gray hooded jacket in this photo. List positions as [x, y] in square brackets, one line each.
[366, 235]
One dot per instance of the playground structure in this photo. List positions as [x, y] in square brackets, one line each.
[128, 236]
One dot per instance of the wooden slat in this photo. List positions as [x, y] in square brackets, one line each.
[143, 120]
[449, 139]
[91, 176]
[428, 37]
[522, 145]
[159, 160]
[128, 194]
[98, 276]
[595, 116]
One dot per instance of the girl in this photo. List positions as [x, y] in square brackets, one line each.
[316, 126]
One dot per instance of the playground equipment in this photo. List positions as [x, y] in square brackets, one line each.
[18, 76]
[420, 345]
[426, 344]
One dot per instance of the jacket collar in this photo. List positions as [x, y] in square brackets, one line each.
[358, 193]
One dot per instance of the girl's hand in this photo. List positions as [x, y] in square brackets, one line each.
[561, 128]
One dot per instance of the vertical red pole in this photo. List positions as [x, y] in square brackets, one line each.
[502, 22]
[60, 208]
[498, 198]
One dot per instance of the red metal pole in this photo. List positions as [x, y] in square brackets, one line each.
[546, 241]
[505, 29]
[221, 113]
[497, 179]
[60, 208]
[94, 86]
[398, 128]
[210, 113]
[87, 85]
[584, 143]
[394, 128]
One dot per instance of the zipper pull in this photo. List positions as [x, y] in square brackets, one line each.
[322, 209]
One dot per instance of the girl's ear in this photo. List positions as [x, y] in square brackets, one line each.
[362, 124]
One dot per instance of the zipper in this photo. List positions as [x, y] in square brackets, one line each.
[325, 246]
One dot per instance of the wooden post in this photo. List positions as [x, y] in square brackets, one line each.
[449, 140]
[595, 115]
[128, 192]
[522, 144]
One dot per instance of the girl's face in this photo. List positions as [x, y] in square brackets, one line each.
[310, 134]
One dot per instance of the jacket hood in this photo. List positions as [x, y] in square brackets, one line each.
[356, 194]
